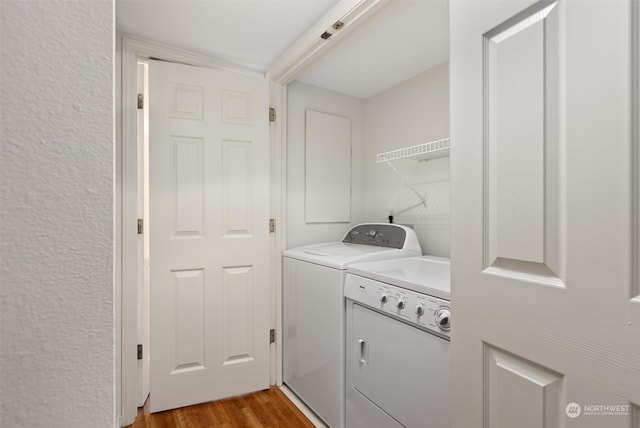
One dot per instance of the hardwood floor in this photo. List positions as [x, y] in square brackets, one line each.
[264, 409]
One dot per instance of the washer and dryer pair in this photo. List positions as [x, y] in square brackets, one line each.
[370, 339]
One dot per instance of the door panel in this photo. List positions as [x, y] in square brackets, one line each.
[237, 210]
[188, 195]
[188, 289]
[520, 393]
[546, 334]
[522, 211]
[209, 249]
[238, 310]
[514, 89]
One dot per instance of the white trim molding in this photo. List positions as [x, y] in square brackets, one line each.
[278, 101]
[147, 49]
[635, 148]
[349, 13]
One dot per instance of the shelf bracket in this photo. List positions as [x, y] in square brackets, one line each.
[431, 150]
[409, 185]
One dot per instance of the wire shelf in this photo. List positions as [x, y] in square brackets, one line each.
[430, 150]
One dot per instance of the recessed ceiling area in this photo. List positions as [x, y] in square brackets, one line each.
[402, 40]
[250, 33]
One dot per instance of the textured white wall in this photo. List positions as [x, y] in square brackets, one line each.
[413, 112]
[57, 211]
[301, 97]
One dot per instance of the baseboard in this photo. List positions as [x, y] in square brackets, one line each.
[302, 407]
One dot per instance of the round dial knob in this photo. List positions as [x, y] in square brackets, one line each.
[401, 304]
[372, 233]
[443, 318]
[420, 310]
[384, 298]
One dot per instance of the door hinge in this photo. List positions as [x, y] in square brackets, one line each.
[272, 225]
[140, 226]
[140, 351]
[140, 101]
[272, 114]
[272, 336]
[337, 25]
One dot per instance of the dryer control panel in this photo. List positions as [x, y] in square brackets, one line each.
[421, 310]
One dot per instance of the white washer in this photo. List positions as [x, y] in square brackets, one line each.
[314, 311]
[398, 319]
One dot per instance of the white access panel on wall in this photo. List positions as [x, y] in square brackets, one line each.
[327, 168]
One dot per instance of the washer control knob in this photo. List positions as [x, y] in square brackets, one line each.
[420, 310]
[384, 298]
[372, 233]
[443, 318]
[401, 304]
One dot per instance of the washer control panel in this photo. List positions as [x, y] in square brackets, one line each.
[424, 311]
[380, 235]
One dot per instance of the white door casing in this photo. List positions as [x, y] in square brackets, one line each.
[210, 248]
[546, 315]
[142, 384]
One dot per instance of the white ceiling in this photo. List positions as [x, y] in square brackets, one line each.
[405, 38]
[252, 33]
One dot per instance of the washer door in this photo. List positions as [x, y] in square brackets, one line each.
[402, 370]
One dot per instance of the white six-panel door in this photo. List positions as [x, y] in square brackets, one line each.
[546, 314]
[209, 248]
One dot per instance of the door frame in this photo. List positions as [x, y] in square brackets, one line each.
[133, 50]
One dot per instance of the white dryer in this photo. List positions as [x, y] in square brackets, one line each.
[398, 321]
[314, 311]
